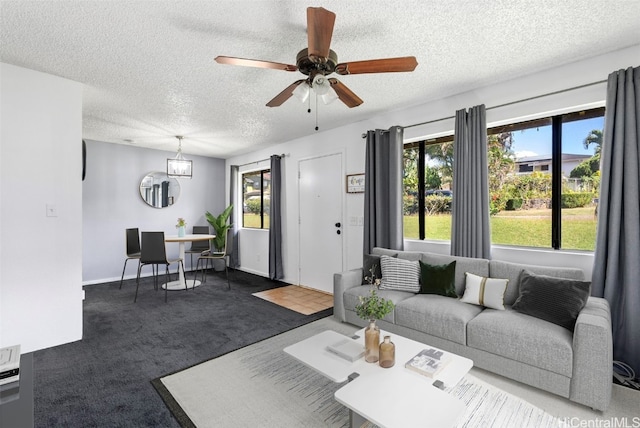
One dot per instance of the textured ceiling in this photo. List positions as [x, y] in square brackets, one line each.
[149, 72]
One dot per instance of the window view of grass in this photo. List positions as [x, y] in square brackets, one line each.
[582, 184]
[256, 194]
[253, 221]
[531, 228]
[520, 165]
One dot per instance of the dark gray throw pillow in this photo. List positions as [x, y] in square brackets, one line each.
[372, 261]
[557, 300]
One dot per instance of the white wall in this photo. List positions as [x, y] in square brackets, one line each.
[348, 140]
[531, 256]
[112, 203]
[40, 164]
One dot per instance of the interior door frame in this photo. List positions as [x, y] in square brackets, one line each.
[343, 201]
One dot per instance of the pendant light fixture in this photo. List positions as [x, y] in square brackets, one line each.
[179, 167]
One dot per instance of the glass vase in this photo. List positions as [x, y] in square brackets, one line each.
[371, 342]
[181, 231]
[387, 353]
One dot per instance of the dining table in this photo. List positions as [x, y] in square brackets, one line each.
[182, 282]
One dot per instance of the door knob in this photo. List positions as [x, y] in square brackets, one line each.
[338, 224]
[338, 232]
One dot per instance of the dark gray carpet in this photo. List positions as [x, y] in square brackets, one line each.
[105, 379]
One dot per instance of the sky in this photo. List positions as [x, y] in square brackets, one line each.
[537, 141]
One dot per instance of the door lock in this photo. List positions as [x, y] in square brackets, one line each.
[338, 224]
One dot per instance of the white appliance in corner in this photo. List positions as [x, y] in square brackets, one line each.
[9, 364]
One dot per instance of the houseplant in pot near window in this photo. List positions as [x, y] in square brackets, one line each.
[372, 308]
[221, 225]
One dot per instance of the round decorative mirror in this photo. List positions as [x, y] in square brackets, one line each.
[159, 190]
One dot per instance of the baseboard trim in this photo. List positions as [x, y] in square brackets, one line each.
[148, 274]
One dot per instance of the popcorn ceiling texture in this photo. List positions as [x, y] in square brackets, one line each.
[149, 73]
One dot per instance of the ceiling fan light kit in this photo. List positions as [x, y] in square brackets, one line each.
[302, 92]
[329, 97]
[317, 61]
[321, 85]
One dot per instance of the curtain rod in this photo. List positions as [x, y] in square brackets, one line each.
[508, 104]
[284, 155]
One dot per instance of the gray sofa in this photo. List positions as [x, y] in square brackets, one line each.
[575, 365]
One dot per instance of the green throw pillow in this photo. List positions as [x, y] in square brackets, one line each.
[438, 279]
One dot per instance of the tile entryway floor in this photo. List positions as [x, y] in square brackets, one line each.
[303, 300]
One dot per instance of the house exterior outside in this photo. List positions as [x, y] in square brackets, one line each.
[542, 163]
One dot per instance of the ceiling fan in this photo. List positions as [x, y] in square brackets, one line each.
[318, 61]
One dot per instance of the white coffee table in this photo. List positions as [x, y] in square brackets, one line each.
[393, 397]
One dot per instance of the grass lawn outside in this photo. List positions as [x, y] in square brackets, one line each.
[253, 221]
[529, 228]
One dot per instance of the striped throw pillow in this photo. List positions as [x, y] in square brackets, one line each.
[487, 292]
[399, 274]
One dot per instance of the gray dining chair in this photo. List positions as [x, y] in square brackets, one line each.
[198, 247]
[154, 252]
[132, 238]
[211, 256]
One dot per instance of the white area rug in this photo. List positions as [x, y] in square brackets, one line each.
[261, 386]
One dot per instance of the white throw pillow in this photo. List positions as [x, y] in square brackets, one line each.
[488, 292]
[399, 274]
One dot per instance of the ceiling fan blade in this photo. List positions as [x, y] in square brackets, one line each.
[255, 63]
[345, 94]
[284, 95]
[319, 31]
[387, 65]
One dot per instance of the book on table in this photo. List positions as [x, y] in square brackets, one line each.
[347, 348]
[428, 362]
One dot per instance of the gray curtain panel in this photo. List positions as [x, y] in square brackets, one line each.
[470, 233]
[616, 267]
[234, 259]
[383, 190]
[275, 223]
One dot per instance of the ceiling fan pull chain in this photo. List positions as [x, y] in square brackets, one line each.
[316, 111]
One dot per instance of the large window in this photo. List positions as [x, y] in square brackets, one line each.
[520, 183]
[544, 178]
[256, 191]
[581, 143]
[428, 173]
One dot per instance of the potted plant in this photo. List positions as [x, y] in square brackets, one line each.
[181, 226]
[221, 225]
[372, 308]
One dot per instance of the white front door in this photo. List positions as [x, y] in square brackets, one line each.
[320, 195]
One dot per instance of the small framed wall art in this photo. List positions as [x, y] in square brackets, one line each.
[355, 183]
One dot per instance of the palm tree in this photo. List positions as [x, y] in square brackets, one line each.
[594, 137]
